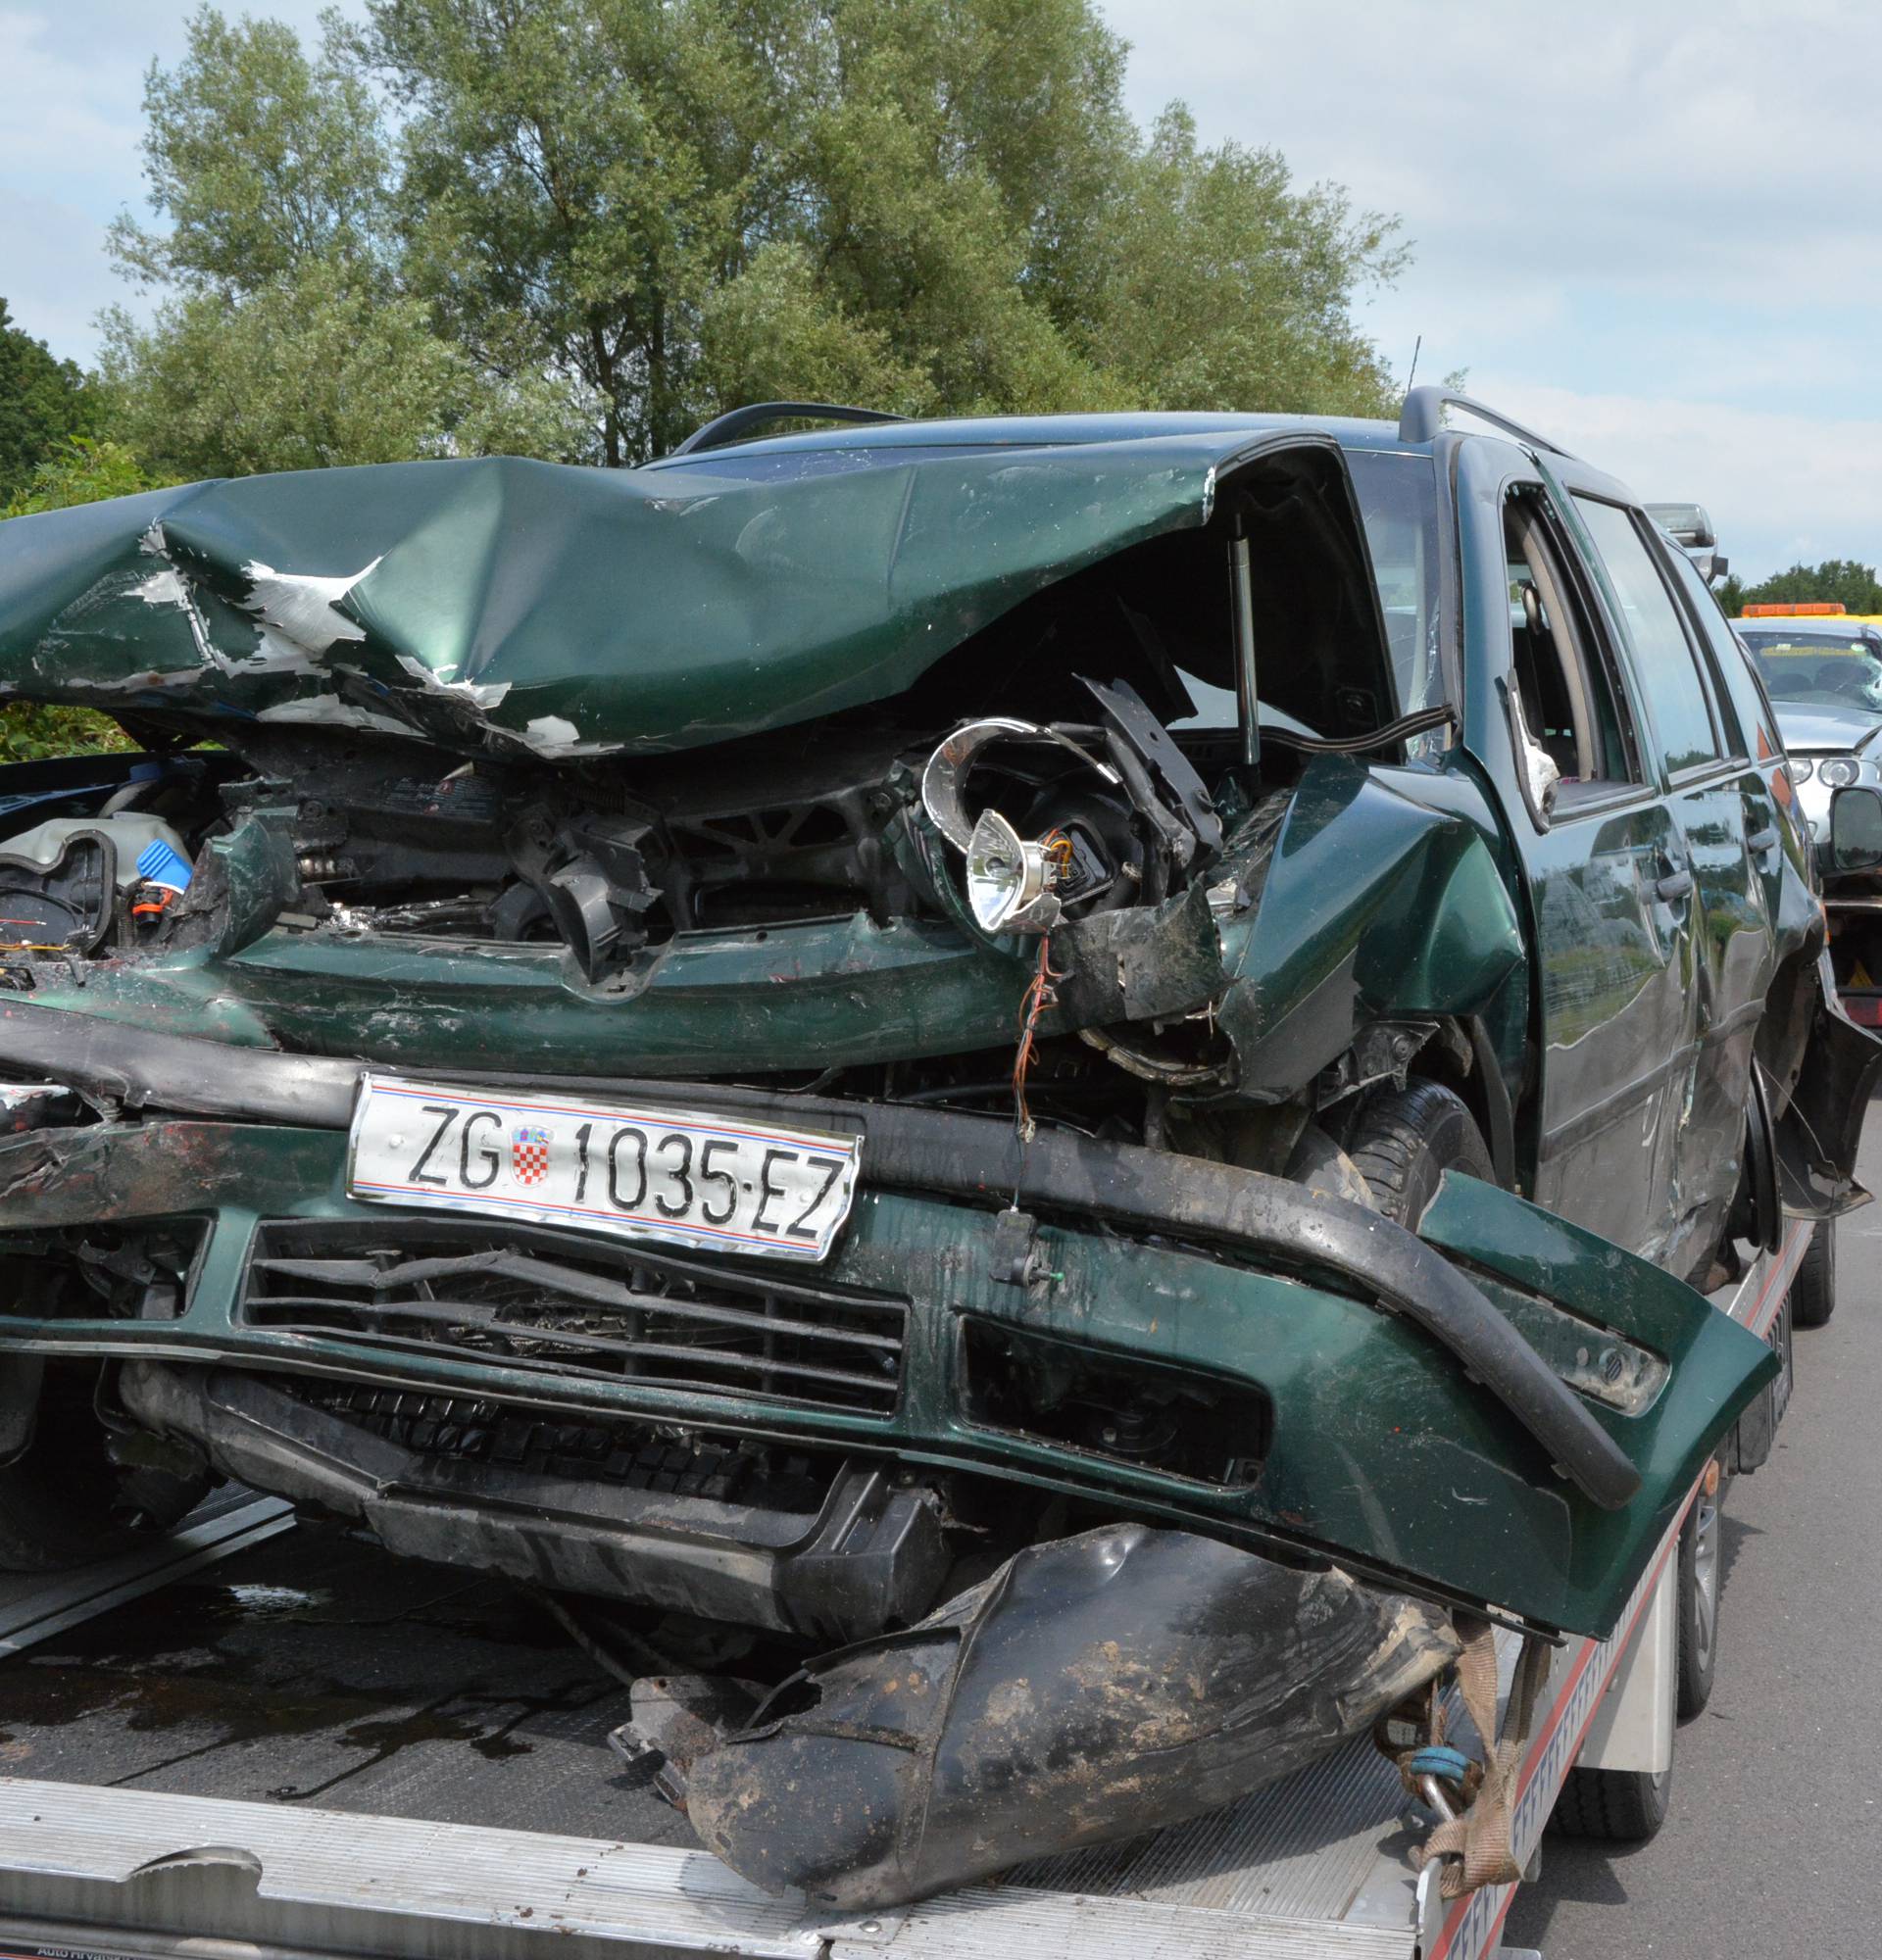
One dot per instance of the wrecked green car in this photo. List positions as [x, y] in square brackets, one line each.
[1056, 1085]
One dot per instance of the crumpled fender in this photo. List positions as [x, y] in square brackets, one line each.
[1093, 1687]
[1377, 904]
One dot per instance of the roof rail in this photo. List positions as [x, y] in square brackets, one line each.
[737, 423]
[1422, 416]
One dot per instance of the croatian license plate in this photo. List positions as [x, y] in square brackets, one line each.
[637, 1171]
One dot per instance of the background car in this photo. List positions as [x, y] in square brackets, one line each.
[1823, 671]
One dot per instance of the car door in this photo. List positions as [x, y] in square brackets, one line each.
[1720, 803]
[1777, 837]
[1552, 714]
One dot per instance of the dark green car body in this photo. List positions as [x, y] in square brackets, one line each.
[442, 688]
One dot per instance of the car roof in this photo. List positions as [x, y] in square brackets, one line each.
[1054, 431]
[856, 441]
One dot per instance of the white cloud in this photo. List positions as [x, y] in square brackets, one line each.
[1625, 139]
[69, 115]
[1780, 487]
[71, 90]
[1676, 213]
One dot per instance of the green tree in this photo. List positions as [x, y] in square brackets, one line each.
[579, 228]
[260, 158]
[317, 367]
[1224, 286]
[933, 205]
[286, 338]
[43, 402]
[1837, 578]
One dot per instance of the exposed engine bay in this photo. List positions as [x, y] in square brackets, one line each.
[403, 840]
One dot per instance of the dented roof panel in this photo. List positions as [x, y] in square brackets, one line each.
[530, 607]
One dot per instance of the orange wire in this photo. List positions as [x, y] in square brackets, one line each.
[1038, 997]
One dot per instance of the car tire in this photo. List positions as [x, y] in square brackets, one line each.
[1814, 1290]
[1404, 1141]
[1700, 1582]
[1613, 1806]
[64, 1502]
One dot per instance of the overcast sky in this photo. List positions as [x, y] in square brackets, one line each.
[1653, 230]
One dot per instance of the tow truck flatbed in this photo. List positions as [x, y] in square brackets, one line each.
[453, 1856]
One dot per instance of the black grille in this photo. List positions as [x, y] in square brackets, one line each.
[473, 1430]
[566, 1306]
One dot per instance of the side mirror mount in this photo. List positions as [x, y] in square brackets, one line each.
[1687, 524]
[1856, 829]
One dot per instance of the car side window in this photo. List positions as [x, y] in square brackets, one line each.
[1734, 677]
[1570, 716]
[1667, 670]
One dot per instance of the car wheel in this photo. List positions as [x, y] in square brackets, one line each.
[1814, 1290]
[63, 1501]
[1613, 1806]
[1404, 1141]
[1700, 1574]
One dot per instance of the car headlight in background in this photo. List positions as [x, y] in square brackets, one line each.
[1840, 771]
[1801, 768]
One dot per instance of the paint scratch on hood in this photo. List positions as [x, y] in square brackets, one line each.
[303, 606]
[323, 710]
[555, 737]
[480, 694]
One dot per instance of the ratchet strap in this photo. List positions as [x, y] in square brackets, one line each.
[1476, 1848]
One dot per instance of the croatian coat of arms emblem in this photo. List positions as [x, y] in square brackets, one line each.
[530, 1153]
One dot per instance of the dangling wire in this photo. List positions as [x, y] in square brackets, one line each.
[1039, 995]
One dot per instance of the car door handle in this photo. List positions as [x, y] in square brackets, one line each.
[1762, 843]
[1673, 887]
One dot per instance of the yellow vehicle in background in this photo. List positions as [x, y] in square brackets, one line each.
[1813, 652]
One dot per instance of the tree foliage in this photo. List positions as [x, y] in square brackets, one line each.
[43, 403]
[288, 338]
[579, 228]
[315, 368]
[1836, 578]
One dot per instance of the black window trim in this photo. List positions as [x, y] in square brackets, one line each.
[1593, 628]
[1647, 533]
[1726, 708]
[1448, 566]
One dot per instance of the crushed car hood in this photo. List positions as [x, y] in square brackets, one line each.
[535, 609]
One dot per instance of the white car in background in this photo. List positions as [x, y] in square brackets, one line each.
[1823, 673]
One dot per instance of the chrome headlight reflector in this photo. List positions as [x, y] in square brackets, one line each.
[1802, 770]
[1008, 880]
[1839, 772]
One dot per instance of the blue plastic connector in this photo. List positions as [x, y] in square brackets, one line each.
[159, 863]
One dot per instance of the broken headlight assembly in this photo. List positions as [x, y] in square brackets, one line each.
[1073, 820]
